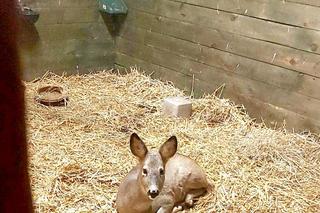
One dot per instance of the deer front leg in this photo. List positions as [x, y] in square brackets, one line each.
[164, 203]
[194, 193]
[166, 209]
[177, 209]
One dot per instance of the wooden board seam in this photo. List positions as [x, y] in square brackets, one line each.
[218, 68]
[269, 104]
[233, 53]
[242, 35]
[241, 14]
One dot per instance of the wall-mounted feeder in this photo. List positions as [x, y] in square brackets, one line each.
[113, 7]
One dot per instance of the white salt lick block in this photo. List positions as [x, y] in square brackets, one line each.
[177, 107]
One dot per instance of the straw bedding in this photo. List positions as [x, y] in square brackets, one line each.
[80, 153]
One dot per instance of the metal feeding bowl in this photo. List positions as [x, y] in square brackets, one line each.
[52, 96]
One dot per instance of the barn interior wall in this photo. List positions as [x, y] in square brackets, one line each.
[70, 36]
[264, 54]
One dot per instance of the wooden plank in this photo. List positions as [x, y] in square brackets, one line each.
[263, 112]
[149, 54]
[272, 10]
[98, 62]
[60, 3]
[53, 49]
[148, 5]
[69, 36]
[256, 108]
[292, 59]
[264, 92]
[68, 16]
[306, 2]
[35, 68]
[134, 49]
[81, 15]
[303, 39]
[62, 32]
[248, 68]
[42, 4]
[128, 61]
[180, 80]
[236, 84]
[50, 16]
[133, 32]
[67, 55]
[79, 3]
[178, 46]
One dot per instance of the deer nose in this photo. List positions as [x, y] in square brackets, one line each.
[153, 193]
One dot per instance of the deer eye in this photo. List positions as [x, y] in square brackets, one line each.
[144, 172]
[161, 171]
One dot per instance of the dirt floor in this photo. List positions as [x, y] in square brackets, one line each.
[79, 153]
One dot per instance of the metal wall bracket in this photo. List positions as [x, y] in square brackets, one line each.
[113, 7]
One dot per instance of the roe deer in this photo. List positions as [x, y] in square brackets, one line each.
[184, 181]
[144, 181]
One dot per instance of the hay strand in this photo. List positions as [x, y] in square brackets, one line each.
[80, 153]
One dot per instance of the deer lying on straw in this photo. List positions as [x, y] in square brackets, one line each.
[180, 178]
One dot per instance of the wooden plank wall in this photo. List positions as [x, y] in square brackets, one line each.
[70, 36]
[265, 52]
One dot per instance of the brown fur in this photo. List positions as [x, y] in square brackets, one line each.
[184, 181]
[134, 192]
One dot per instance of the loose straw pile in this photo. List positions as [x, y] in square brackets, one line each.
[80, 153]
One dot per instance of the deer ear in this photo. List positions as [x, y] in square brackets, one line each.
[137, 147]
[169, 148]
